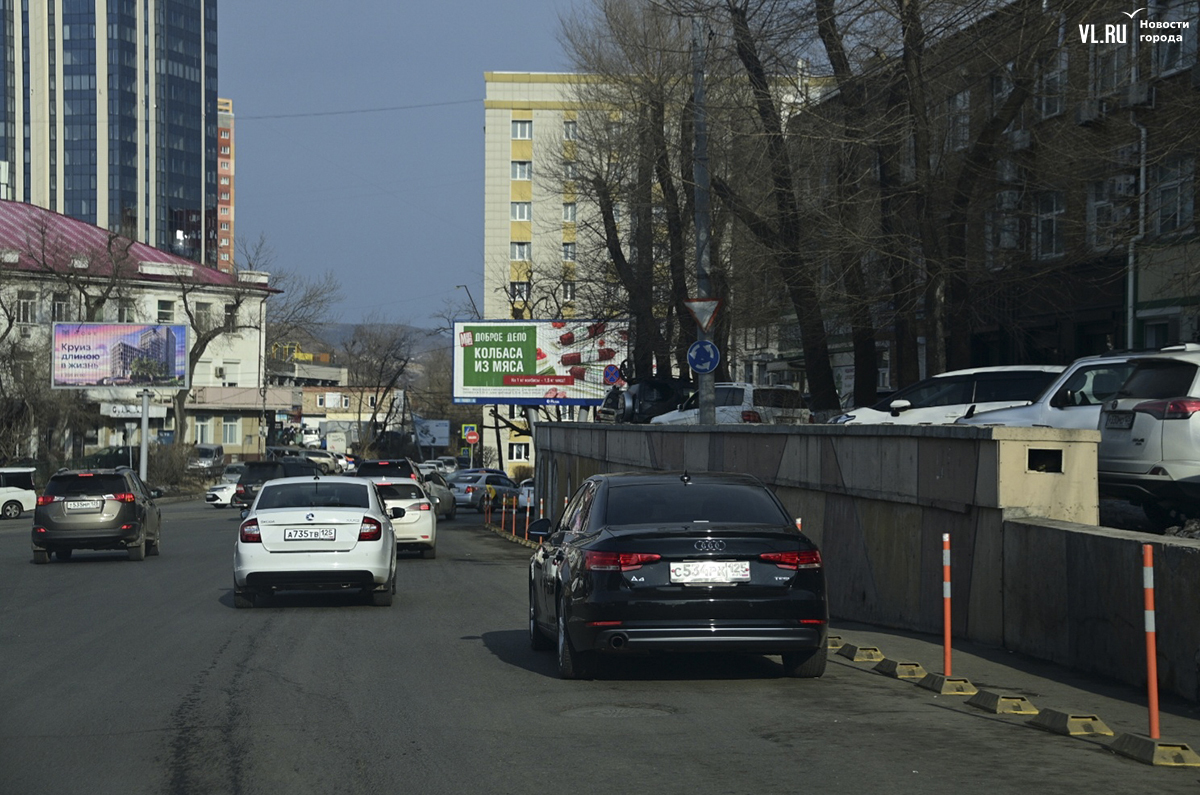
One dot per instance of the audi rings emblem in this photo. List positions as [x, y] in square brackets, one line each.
[710, 545]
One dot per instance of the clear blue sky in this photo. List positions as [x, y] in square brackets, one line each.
[392, 200]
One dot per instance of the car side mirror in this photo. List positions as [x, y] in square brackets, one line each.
[898, 406]
[397, 513]
[539, 529]
[156, 493]
[1061, 398]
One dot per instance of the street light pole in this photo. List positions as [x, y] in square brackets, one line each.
[705, 381]
[472, 300]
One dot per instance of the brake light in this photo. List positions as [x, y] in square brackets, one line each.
[1173, 409]
[421, 506]
[617, 561]
[124, 496]
[469, 490]
[240, 489]
[751, 416]
[370, 530]
[801, 559]
[45, 499]
[249, 532]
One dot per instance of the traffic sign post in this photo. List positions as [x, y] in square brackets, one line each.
[472, 437]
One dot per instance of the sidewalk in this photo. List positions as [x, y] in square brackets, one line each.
[1049, 687]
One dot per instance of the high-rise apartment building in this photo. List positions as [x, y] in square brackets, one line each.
[108, 114]
[226, 160]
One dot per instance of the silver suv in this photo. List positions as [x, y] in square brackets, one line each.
[1150, 436]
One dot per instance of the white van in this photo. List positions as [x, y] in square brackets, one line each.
[17, 491]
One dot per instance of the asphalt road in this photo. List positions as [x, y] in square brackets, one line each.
[122, 677]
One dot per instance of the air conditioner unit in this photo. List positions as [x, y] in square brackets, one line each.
[1140, 93]
[1019, 140]
[1089, 112]
[219, 372]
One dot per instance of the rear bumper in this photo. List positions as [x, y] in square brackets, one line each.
[309, 580]
[754, 638]
[258, 569]
[1140, 487]
[87, 538]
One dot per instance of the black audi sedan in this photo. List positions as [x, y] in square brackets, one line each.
[676, 562]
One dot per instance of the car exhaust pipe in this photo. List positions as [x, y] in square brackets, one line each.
[618, 641]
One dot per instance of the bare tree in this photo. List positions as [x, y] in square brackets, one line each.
[377, 357]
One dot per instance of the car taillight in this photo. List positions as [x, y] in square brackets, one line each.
[240, 489]
[249, 532]
[802, 559]
[751, 416]
[1174, 409]
[468, 489]
[420, 506]
[617, 561]
[45, 499]
[124, 496]
[370, 530]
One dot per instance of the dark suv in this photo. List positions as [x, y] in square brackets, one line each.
[393, 468]
[259, 472]
[96, 509]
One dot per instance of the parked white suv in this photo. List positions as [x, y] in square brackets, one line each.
[1150, 436]
[738, 402]
[945, 397]
[1071, 401]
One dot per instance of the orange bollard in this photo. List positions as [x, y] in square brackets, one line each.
[946, 604]
[541, 507]
[528, 511]
[1151, 637]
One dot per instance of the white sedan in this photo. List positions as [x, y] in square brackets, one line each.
[417, 529]
[306, 533]
[219, 495]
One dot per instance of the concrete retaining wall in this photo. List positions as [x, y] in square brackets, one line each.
[1031, 570]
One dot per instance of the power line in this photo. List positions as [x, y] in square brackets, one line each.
[362, 110]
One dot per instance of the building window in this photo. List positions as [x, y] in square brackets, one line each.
[518, 451]
[569, 252]
[345, 401]
[958, 121]
[225, 134]
[224, 180]
[204, 429]
[1110, 208]
[125, 311]
[166, 311]
[1110, 69]
[1052, 86]
[231, 314]
[60, 307]
[522, 169]
[1172, 56]
[224, 256]
[568, 291]
[569, 212]
[26, 306]
[570, 131]
[224, 150]
[570, 170]
[1171, 196]
[320, 401]
[224, 165]
[519, 291]
[520, 211]
[204, 316]
[1050, 208]
[522, 130]
[371, 401]
[231, 429]
[224, 226]
[224, 210]
[520, 251]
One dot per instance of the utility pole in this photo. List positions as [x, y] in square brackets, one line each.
[705, 381]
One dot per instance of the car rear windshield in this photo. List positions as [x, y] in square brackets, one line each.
[400, 491]
[1158, 380]
[466, 478]
[261, 471]
[392, 468]
[73, 485]
[670, 503]
[778, 398]
[317, 494]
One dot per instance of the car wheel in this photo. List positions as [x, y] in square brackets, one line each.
[1164, 516]
[384, 598]
[63, 553]
[453, 510]
[41, 556]
[571, 664]
[805, 664]
[537, 639]
[11, 510]
[243, 599]
[137, 551]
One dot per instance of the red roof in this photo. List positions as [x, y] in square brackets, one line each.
[23, 227]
